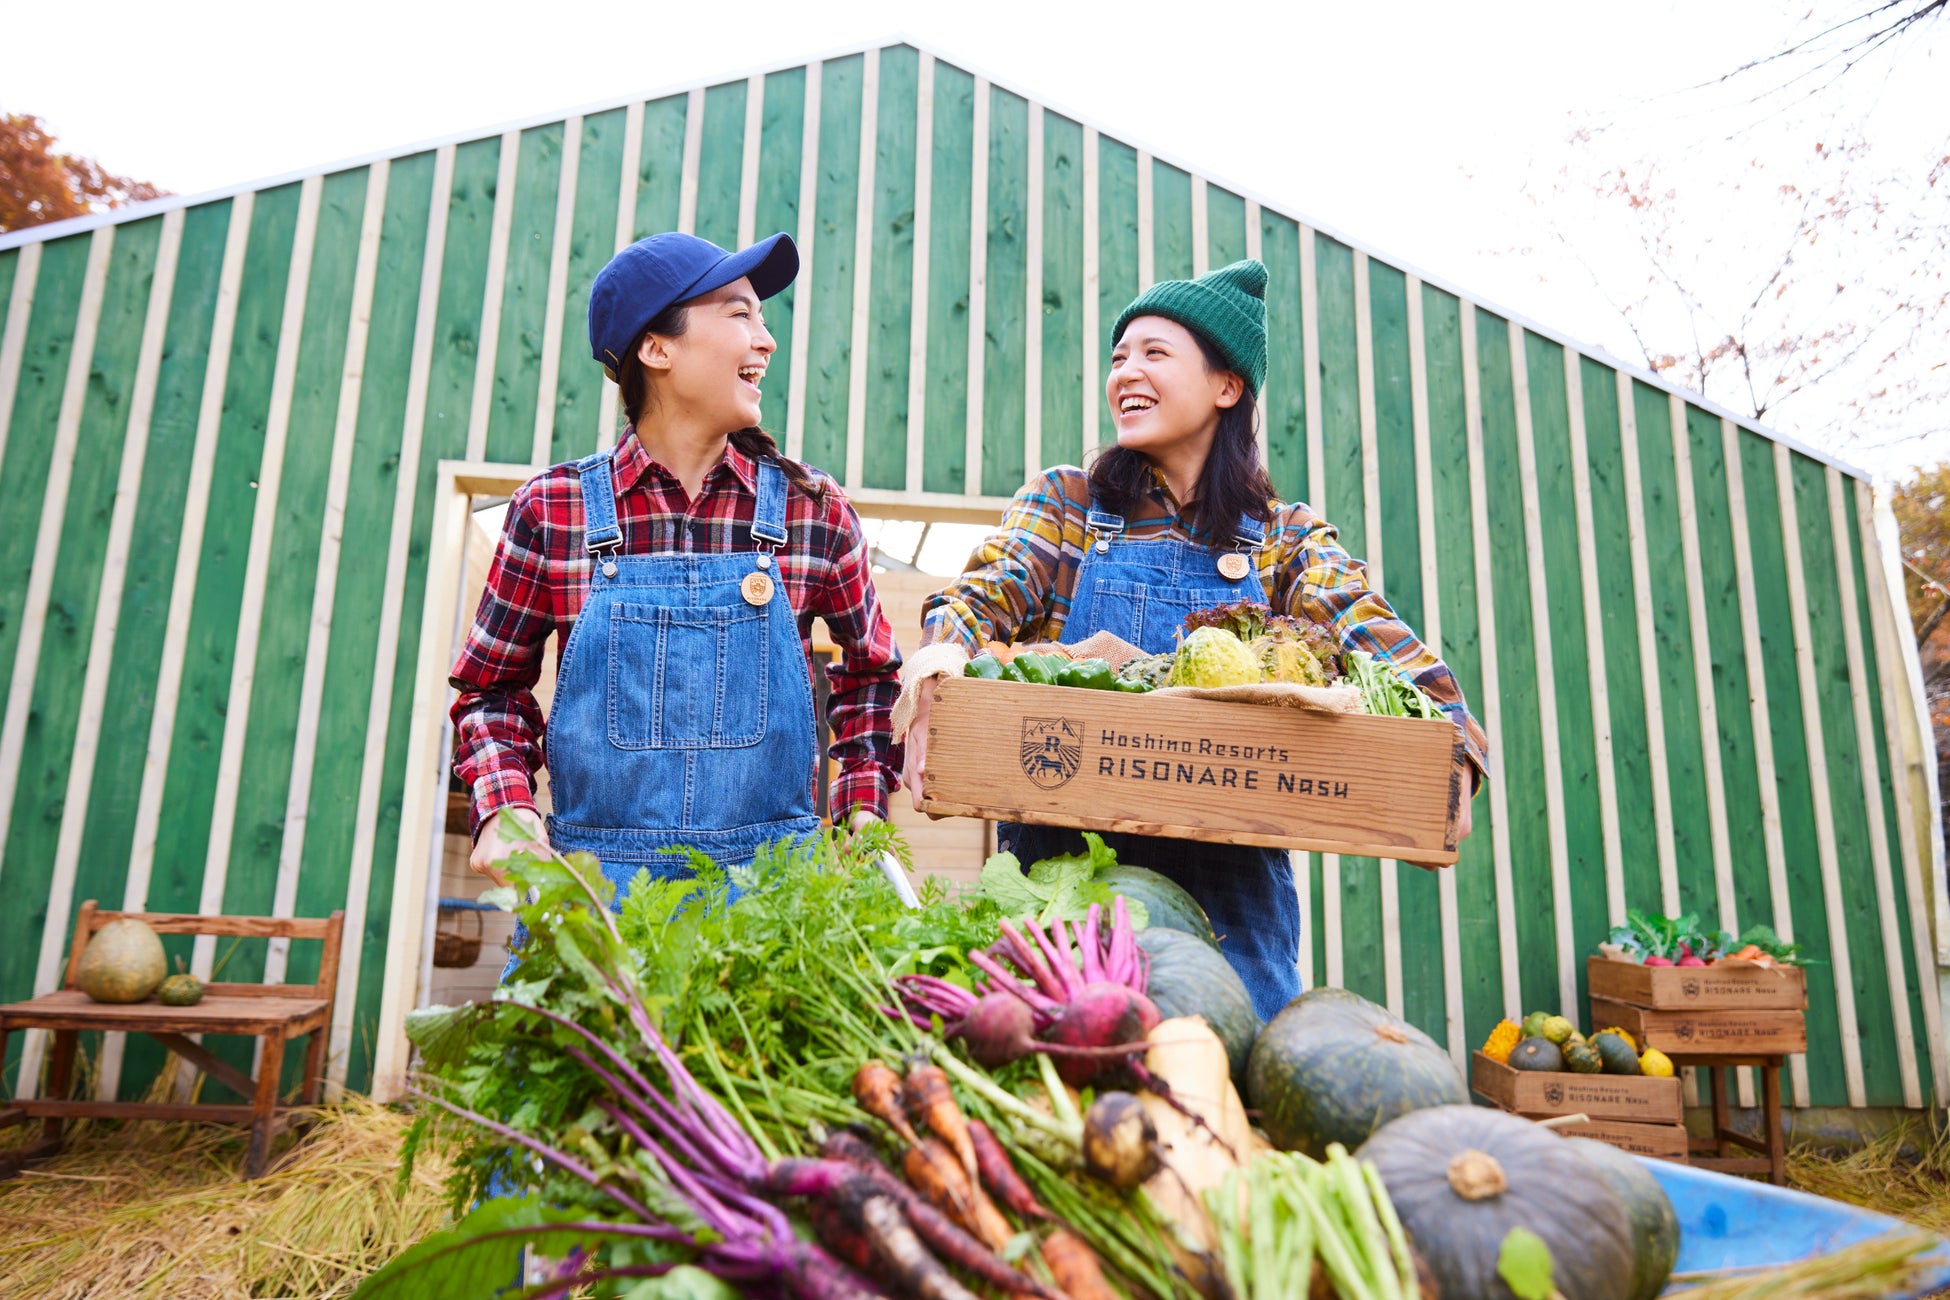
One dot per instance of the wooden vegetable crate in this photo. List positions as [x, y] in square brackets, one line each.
[1633, 1112]
[1738, 987]
[1688, 1033]
[1193, 769]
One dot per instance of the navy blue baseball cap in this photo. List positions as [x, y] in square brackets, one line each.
[653, 273]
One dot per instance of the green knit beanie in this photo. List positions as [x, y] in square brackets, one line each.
[1227, 308]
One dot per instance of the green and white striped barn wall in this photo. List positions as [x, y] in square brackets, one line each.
[220, 421]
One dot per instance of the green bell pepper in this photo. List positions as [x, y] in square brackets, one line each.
[1039, 669]
[1132, 687]
[985, 666]
[1087, 674]
[1010, 673]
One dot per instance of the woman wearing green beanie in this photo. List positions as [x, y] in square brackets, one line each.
[1178, 516]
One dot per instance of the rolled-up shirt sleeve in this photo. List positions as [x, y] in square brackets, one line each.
[498, 725]
[1008, 590]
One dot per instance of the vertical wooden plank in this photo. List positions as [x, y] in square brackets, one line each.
[1652, 689]
[331, 534]
[748, 162]
[22, 269]
[664, 148]
[626, 200]
[1861, 690]
[1814, 730]
[79, 355]
[1231, 229]
[1123, 259]
[976, 326]
[235, 230]
[500, 231]
[555, 294]
[1478, 992]
[1147, 221]
[1171, 223]
[1903, 729]
[1818, 1075]
[1250, 217]
[1283, 404]
[1092, 411]
[263, 546]
[720, 162]
[162, 422]
[897, 390]
[1522, 764]
[834, 354]
[1201, 228]
[1472, 332]
[514, 399]
[1033, 133]
[1002, 338]
[781, 180]
[1563, 673]
[866, 180]
[1594, 639]
[1316, 459]
[45, 711]
[596, 226]
[1063, 300]
[687, 177]
[803, 306]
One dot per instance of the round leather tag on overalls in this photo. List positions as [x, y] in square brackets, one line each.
[756, 588]
[1233, 566]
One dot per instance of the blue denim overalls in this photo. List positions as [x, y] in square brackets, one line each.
[683, 712]
[1141, 592]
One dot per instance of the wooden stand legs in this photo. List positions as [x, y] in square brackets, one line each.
[1718, 1151]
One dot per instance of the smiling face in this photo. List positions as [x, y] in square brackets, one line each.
[712, 371]
[1163, 396]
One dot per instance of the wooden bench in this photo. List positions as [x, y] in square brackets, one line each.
[276, 1013]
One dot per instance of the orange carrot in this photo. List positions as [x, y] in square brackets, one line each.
[878, 1090]
[931, 1100]
[932, 1172]
[1075, 1268]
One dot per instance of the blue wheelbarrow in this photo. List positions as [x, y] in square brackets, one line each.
[1732, 1223]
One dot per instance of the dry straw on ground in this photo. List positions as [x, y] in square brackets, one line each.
[160, 1211]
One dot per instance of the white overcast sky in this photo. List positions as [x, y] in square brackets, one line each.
[1411, 126]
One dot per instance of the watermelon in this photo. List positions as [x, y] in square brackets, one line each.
[1188, 978]
[1166, 902]
[1334, 1067]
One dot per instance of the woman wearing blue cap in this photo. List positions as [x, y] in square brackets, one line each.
[680, 573]
[1177, 516]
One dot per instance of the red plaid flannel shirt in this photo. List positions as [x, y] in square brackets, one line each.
[540, 578]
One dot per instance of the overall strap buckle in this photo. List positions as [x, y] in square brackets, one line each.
[768, 519]
[602, 535]
[1102, 526]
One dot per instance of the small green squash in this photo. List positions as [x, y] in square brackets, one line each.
[1536, 1054]
[1558, 1029]
[1583, 1058]
[1616, 1053]
[1654, 1225]
[1167, 904]
[1533, 1024]
[1188, 978]
[1461, 1177]
[123, 962]
[180, 991]
[1334, 1067]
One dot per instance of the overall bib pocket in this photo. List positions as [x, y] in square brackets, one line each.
[687, 677]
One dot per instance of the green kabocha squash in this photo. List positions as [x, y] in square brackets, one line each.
[1583, 1058]
[1536, 1054]
[1648, 1211]
[1189, 978]
[1334, 1067]
[180, 991]
[123, 962]
[1461, 1177]
[1616, 1052]
[1167, 905]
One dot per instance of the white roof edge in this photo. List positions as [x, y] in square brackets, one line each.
[138, 211]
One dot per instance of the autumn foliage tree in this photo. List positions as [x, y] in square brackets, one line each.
[39, 184]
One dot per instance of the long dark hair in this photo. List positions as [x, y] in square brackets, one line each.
[1233, 482]
[633, 382]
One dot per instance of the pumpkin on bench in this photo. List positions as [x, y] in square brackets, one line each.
[116, 968]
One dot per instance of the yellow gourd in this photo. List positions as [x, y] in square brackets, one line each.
[1505, 1036]
[1655, 1063]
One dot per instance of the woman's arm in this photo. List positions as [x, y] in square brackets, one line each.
[497, 723]
[865, 681]
[1009, 585]
[1319, 580]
